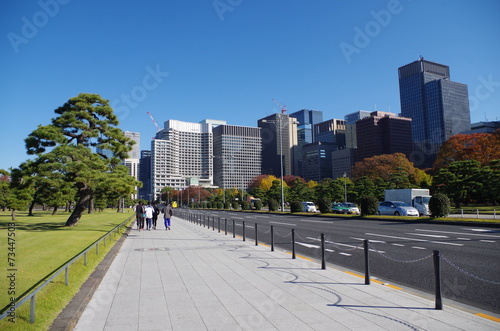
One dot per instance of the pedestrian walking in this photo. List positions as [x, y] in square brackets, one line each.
[167, 214]
[139, 215]
[149, 211]
[155, 215]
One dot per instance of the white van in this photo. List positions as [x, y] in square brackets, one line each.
[308, 207]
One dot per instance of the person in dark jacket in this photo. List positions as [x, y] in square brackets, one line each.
[156, 212]
[167, 214]
[139, 215]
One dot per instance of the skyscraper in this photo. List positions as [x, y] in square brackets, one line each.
[438, 107]
[383, 133]
[279, 144]
[237, 155]
[306, 120]
[132, 162]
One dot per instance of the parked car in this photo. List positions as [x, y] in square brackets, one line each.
[345, 208]
[309, 207]
[352, 208]
[396, 208]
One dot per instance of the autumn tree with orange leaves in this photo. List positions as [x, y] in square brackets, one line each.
[482, 147]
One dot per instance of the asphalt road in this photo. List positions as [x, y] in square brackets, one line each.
[400, 251]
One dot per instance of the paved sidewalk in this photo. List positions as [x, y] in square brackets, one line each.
[192, 278]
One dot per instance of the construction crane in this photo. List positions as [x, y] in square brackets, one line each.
[283, 107]
[156, 124]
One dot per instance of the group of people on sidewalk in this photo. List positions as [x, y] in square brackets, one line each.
[149, 214]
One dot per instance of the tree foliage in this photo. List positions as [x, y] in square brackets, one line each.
[384, 167]
[439, 205]
[65, 146]
[481, 147]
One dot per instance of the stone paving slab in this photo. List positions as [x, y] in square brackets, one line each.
[192, 278]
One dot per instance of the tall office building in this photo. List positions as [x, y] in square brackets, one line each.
[145, 192]
[306, 119]
[237, 155]
[331, 131]
[383, 133]
[350, 127]
[317, 160]
[279, 144]
[438, 107]
[181, 155]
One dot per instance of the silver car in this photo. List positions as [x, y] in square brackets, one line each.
[396, 208]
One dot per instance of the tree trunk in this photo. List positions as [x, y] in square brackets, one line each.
[91, 205]
[30, 210]
[13, 214]
[55, 210]
[85, 195]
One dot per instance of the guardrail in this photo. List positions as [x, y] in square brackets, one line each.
[206, 221]
[11, 309]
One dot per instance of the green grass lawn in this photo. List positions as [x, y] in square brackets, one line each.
[42, 245]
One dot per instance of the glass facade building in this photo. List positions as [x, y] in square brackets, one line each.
[438, 107]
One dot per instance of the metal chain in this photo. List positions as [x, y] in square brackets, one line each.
[468, 273]
[284, 236]
[300, 238]
[396, 260]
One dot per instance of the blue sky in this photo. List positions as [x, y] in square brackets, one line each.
[227, 59]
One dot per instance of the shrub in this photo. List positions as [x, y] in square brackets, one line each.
[220, 205]
[227, 205]
[296, 207]
[369, 205]
[245, 205]
[273, 205]
[235, 205]
[439, 205]
[257, 205]
[324, 205]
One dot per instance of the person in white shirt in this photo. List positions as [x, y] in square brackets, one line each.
[149, 210]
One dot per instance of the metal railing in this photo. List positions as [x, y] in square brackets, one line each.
[11, 309]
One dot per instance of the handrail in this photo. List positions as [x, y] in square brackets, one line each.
[9, 309]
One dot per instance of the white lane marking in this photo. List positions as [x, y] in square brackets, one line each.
[239, 218]
[307, 245]
[372, 241]
[413, 239]
[346, 254]
[427, 235]
[399, 245]
[417, 247]
[463, 238]
[487, 241]
[350, 246]
[461, 233]
[329, 250]
[281, 223]
[478, 230]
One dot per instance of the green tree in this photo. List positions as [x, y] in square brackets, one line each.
[364, 187]
[299, 191]
[439, 205]
[330, 189]
[84, 122]
[460, 180]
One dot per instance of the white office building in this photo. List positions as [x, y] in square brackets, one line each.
[181, 155]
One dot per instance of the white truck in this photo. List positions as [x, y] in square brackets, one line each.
[416, 197]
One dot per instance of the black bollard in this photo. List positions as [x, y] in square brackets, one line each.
[256, 242]
[323, 262]
[244, 239]
[437, 277]
[367, 264]
[272, 238]
[293, 244]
